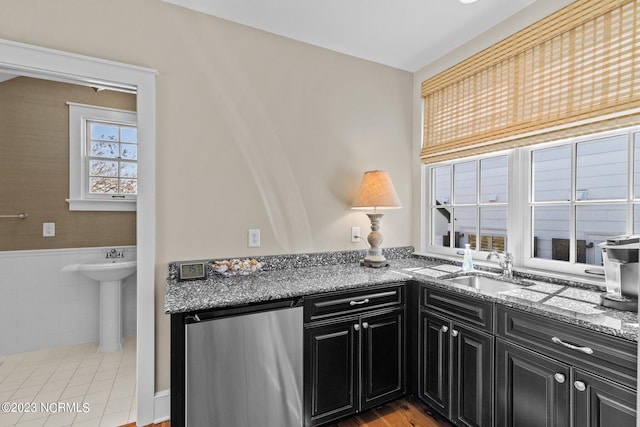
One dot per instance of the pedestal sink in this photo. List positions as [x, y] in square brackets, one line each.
[110, 275]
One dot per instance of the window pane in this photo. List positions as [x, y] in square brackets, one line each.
[103, 185]
[464, 183]
[128, 170]
[602, 169]
[104, 132]
[441, 222]
[464, 226]
[636, 219]
[493, 180]
[103, 168]
[128, 186]
[129, 135]
[442, 185]
[636, 165]
[551, 232]
[129, 151]
[594, 223]
[104, 149]
[493, 228]
[552, 174]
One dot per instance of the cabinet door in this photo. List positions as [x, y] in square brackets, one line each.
[531, 390]
[434, 361]
[602, 403]
[383, 354]
[472, 370]
[330, 371]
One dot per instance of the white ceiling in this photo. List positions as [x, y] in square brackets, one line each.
[405, 34]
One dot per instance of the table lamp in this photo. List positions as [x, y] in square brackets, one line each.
[376, 192]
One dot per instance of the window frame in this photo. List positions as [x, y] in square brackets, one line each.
[571, 266]
[520, 206]
[79, 197]
[427, 192]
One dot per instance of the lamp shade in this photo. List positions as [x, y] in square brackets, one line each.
[376, 192]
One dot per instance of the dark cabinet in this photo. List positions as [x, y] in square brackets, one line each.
[549, 373]
[353, 361]
[602, 403]
[456, 366]
[531, 389]
[383, 354]
[332, 372]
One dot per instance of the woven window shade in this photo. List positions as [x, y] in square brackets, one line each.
[574, 72]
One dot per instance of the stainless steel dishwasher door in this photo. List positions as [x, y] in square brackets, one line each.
[245, 370]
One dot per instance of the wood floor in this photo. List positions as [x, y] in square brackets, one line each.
[407, 412]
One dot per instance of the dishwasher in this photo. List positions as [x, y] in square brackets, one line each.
[244, 366]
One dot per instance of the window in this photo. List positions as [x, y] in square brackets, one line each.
[469, 204]
[582, 191]
[552, 209]
[103, 158]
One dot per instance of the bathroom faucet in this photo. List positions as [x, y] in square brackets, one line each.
[114, 253]
[505, 260]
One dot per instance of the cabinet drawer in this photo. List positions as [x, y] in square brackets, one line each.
[602, 354]
[345, 303]
[466, 309]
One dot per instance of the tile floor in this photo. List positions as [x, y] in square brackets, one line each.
[69, 386]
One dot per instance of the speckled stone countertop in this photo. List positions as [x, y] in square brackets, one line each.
[564, 301]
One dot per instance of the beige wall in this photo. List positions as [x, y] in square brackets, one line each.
[34, 178]
[253, 130]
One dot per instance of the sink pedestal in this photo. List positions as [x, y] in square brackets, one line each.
[111, 338]
[110, 275]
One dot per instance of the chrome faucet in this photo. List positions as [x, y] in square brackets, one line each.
[114, 253]
[505, 260]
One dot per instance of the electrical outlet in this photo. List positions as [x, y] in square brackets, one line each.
[254, 238]
[48, 229]
[355, 234]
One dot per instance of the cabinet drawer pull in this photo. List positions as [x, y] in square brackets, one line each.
[580, 386]
[365, 325]
[364, 301]
[444, 329]
[559, 377]
[454, 333]
[586, 350]
[356, 327]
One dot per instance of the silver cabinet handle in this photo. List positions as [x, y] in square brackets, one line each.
[364, 301]
[365, 325]
[559, 377]
[454, 333]
[580, 386]
[586, 350]
[356, 327]
[444, 329]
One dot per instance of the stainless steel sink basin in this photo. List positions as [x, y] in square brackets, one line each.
[484, 283]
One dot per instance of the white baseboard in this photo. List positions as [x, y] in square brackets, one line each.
[162, 406]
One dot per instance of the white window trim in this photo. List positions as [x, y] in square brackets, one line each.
[78, 116]
[519, 212]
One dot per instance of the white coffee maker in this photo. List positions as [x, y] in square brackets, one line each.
[620, 255]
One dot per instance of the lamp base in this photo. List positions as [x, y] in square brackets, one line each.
[374, 263]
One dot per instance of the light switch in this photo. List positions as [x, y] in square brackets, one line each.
[48, 229]
[254, 238]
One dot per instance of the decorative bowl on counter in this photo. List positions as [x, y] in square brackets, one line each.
[237, 267]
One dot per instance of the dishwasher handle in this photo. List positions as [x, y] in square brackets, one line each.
[238, 311]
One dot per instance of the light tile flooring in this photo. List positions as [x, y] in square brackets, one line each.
[69, 386]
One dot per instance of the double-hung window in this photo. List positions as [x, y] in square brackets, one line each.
[103, 147]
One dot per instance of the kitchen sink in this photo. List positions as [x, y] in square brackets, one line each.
[484, 283]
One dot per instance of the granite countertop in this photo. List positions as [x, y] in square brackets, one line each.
[560, 300]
